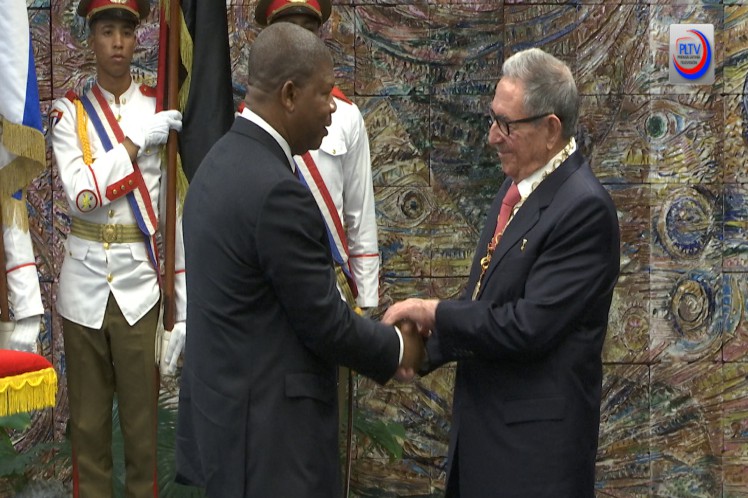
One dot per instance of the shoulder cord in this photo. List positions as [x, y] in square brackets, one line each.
[83, 132]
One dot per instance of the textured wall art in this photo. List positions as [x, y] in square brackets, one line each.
[675, 407]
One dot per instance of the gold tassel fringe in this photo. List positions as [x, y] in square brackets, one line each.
[17, 174]
[28, 391]
[26, 142]
[186, 49]
[14, 211]
[182, 183]
[28, 145]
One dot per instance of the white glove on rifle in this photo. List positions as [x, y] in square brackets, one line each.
[25, 333]
[172, 345]
[155, 129]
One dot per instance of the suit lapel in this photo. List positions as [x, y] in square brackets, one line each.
[529, 213]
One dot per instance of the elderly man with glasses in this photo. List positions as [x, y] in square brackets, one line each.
[528, 332]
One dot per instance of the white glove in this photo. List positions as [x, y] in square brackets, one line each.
[25, 333]
[155, 129]
[6, 329]
[172, 345]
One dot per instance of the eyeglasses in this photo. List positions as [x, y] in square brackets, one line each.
[504, 125]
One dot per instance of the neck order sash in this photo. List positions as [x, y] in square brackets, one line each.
[310, 176]
[109, 131]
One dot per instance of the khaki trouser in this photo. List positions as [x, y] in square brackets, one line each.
[118, 358]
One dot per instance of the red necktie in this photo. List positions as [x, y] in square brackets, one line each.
[511, 198]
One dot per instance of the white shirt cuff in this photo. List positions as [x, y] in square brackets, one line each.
[399, 336]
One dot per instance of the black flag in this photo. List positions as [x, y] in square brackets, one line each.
[205, 97]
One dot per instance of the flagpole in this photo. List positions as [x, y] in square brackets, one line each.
[4, 303]
[171, 168]
[349, 438]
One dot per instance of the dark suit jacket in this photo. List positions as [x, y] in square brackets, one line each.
[265, 329]
[529, 372]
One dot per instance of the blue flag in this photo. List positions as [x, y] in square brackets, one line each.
[22, 151]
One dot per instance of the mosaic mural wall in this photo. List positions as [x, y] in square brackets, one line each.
[675, 407]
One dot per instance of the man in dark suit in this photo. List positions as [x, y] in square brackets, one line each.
[258, 399]
[528, 333]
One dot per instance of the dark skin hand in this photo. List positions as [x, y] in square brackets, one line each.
[414, 350]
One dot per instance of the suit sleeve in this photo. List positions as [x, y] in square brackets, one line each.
[297, 264]
[570, 281]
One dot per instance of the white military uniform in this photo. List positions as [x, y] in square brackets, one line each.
[23, 283]
[111, 348]
[92, 269]
[344, 163]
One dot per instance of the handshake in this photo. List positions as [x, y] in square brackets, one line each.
[415, 318]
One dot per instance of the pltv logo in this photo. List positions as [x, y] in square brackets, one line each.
[691, 54]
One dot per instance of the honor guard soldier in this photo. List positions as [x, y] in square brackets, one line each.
[107, 143]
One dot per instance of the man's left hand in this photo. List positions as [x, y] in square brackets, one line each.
[421, 311]
[25, 333]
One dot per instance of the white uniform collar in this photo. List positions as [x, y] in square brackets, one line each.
[124, 98]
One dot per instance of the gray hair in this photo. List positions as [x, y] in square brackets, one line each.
[549, 86]
[284, 51]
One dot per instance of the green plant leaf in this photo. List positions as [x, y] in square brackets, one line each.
[17, 469]
[17, 422]
[387, 435]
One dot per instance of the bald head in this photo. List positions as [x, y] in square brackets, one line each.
[285, 52]
[290, 84]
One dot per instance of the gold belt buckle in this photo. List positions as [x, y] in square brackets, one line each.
[109, 233]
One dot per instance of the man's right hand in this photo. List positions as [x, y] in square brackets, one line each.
[155, 129]
[414, 351]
